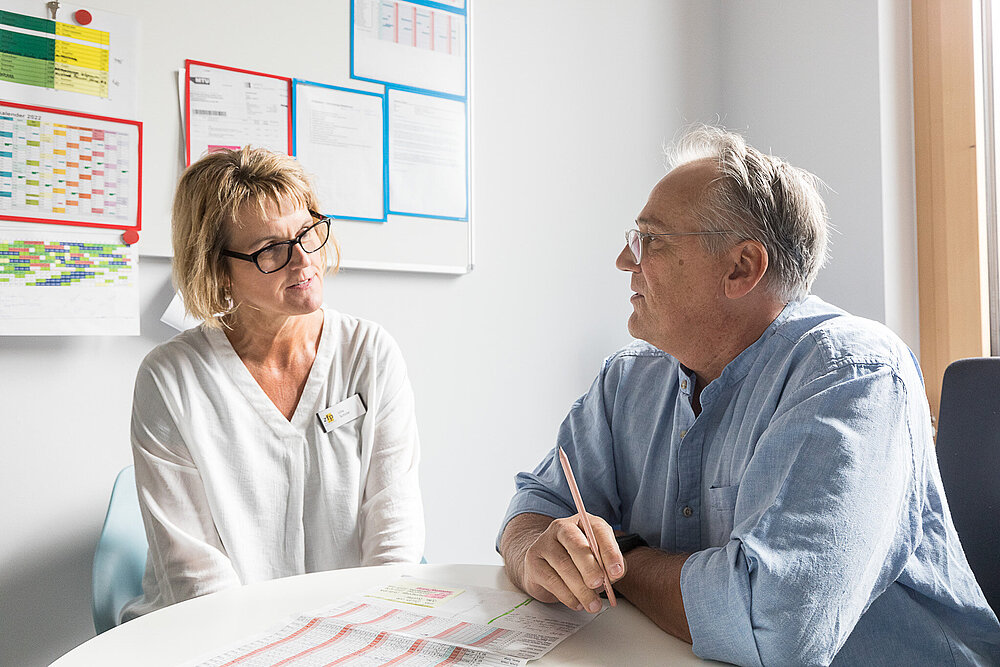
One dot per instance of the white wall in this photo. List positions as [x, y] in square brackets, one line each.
[828, 87]
[572, 99]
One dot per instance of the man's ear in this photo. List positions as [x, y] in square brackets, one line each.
[748, 264]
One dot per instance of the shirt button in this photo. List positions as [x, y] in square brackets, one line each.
[684, 384]
[687, 511]
[683, 432]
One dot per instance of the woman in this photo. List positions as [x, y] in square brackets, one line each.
[279, 436]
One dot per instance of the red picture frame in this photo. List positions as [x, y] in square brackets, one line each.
[187, 100]
[131, 230]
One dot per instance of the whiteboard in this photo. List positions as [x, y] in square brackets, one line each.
[300, 39]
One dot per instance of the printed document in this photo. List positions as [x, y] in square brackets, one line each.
[414, 622]
[338, 140]
[230, 109]
[63, 281]
[409, 44]
[427, 156]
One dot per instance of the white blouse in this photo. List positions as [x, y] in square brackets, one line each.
[232, 492]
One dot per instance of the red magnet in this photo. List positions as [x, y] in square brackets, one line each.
[83, 17]
[130, 236]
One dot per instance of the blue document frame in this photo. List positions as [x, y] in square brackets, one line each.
[356, 169]
[414, 45]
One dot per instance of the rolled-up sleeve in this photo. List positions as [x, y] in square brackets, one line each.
[822, 525]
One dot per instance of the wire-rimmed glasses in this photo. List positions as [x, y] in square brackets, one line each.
[636, 239]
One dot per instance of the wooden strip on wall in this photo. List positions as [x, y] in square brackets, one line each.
[951, 247]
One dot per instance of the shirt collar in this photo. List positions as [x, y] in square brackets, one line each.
[738, 368]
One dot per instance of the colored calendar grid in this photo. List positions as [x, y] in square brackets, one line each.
[418, 26]
[34, 55]
[56, 168]
[60, 264]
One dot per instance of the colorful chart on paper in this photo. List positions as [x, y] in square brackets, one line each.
[65, 281]
[49, 54]
[61, 168]
[409, 44]
[64, 263]
[69, 169]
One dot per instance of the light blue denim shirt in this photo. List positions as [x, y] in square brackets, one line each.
[807, 490]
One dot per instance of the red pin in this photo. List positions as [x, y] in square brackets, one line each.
[130, 237]
[83, 17]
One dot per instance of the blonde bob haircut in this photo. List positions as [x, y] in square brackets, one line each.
[212, 195]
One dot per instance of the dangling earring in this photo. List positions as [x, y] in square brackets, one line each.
[227, 300]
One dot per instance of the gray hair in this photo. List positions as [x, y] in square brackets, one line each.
[762, 198]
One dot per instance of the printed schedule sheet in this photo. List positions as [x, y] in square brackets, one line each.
[416, 623]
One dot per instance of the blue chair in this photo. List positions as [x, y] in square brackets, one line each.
[968, 451]
[120, 558]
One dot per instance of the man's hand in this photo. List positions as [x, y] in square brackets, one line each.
[550, 560]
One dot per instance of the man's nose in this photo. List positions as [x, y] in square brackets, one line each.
[626, 261]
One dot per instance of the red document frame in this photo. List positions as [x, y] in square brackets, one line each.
[131, 230]
[187, 101]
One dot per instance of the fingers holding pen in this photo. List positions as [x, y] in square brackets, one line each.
[583, 554]
[611, 555]
[561, 563]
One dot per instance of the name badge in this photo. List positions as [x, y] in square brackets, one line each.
[337, 415]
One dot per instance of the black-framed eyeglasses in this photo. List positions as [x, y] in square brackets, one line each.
[636, 239]
[276, 256]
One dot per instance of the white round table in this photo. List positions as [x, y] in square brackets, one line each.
[194, 628]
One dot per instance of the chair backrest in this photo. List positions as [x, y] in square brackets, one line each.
[120, 558]
[968, 451]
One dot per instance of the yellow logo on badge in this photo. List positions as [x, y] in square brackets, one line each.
[329, 417]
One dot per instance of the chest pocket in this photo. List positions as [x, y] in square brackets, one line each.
[721, 509]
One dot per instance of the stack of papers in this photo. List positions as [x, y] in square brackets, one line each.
[413, 622]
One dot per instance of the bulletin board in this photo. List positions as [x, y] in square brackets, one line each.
[312, 44]
[70, 171]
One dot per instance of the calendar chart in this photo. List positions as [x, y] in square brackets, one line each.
[68, 169]
[71, 282]
[78, 176]
[64, 263]
[48, 167]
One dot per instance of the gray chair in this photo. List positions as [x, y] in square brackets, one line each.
[968, 450]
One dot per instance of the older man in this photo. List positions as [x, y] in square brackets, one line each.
[765, 457]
